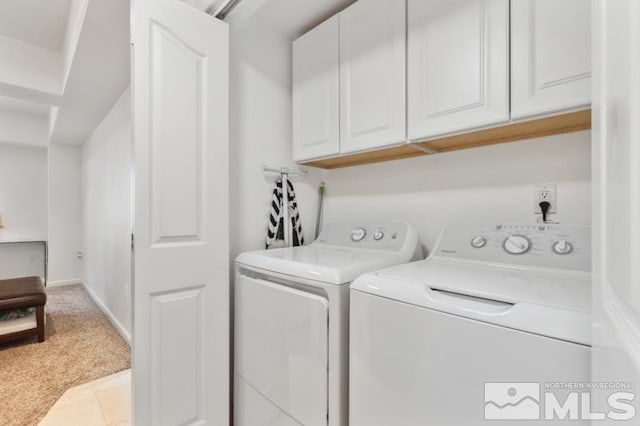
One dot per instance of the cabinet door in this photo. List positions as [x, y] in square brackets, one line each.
[458, 65]
[372, 74]
[550, 56]
[315, 92]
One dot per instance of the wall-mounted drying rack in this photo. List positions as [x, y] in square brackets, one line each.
[284, 176]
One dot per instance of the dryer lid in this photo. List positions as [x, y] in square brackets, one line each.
[342, 252]
[327, 264]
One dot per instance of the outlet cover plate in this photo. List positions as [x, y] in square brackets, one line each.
[544, 193]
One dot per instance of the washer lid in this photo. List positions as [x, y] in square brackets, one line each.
[550, 303]
[328, 264]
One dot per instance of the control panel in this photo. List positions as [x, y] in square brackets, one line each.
[368, 235]
[538, 245]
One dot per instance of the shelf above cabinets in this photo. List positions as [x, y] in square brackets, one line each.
[547, 126]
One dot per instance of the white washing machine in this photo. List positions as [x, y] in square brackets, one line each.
[492, 320]
[291, 322]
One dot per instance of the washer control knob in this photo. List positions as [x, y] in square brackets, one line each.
[358, 234]
[562, 247]
[478, 241]
[517, 244]
[378, 235]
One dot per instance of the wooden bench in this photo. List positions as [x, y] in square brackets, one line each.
[22, 293]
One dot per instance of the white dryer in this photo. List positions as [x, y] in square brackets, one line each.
[477, 332]
[291, 322]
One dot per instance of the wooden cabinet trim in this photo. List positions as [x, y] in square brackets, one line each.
[514, 131]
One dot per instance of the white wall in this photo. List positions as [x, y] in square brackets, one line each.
[65, 218]
[77, 10]
[485, 185]
[106, 212]
[23, 192]
[23, 127]
[260, 131]
[27, 67]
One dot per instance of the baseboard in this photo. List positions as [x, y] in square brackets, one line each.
[61, 283]
[118, 326]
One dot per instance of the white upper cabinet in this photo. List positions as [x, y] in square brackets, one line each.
[458, 65]
[385, 72]
[372, 74]
[316, 81]
[550, 56]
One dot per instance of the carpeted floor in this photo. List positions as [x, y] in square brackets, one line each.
[81, 345]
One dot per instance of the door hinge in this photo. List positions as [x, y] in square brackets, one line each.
[133, 242]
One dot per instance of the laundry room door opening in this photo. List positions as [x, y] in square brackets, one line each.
[616, 195]
[181, 259]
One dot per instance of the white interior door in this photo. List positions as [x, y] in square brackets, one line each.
[181, 271]
[616, 178]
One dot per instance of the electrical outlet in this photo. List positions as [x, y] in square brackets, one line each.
[544, 193]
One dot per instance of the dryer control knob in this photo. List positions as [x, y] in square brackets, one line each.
[478, 241]
[378, 235]
[562, 247]
[358, 234]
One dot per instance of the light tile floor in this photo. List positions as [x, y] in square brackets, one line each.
[103, 402]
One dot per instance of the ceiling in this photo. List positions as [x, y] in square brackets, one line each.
[206, 4]
[64, 65]
[99, 74]
[42, 23]
[20, 105]
[291, 18]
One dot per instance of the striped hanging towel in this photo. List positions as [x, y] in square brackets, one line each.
[275, 231]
